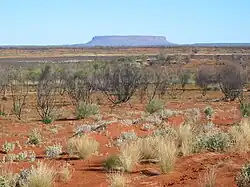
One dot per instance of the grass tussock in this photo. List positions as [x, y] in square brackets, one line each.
[41, 176]
[167, 151]
[209, 179]
[7, 177]
[83, 146]
[65, 173]
[129, 156]
[148, 148]
[185, 137]
[241, 137]
[117, 180]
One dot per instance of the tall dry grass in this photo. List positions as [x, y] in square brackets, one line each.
[83, 146]
[129, 155]
[148, 148]
[209, 179]
[117, 180]
[8, 178]
[185, 136]
[65, 173]
[167, 151]
[241, 137]
[41, 176]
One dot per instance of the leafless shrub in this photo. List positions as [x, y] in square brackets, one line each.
[205, 76]
[157, 81]
[79, 87]
[46, 92]
[119, 81]
[19, 87]
[231, 80]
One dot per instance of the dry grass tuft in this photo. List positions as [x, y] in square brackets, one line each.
[209, 179]
[185, 139]
[148, 148]
[7, 177]
[41, 176]
[117, 180]
[129, 155]
[65, 173]
[167, 155]
[241, 136]
[83, 146]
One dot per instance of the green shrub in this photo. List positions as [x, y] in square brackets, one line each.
[113, 162]
[209, 111]
[47, 120]
[245, 109]
[154, 106]
[243, 179]
[8, 147]
[85, 110]
[212, 141]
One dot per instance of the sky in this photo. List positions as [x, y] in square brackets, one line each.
[48, 22]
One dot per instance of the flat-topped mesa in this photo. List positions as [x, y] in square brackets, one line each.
[133, 40]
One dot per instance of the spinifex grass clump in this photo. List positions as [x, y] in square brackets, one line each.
[117, 180]
[129, 156]
[41, 175]
[83, 146]
[167, 155]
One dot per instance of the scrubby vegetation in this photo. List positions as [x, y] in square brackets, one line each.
[155, 132]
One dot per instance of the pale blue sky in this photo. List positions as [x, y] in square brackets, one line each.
[77, 21]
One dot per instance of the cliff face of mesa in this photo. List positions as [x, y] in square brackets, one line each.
[127, 41]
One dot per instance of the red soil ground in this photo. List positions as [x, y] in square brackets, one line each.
[188, 171]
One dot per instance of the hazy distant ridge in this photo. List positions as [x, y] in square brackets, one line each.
[115, 41]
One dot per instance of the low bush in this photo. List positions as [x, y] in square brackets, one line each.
[209, 111]
[113, 162]
[243, 178]
[154, 106]
[53, 151]
[212, 141]
[245, 109]
[8, 147]
[86, 110]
